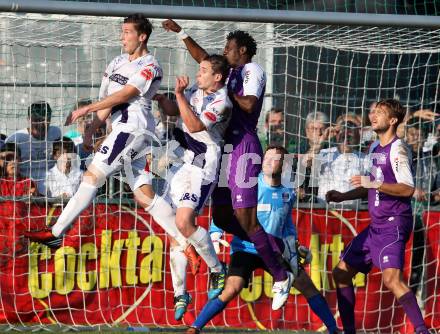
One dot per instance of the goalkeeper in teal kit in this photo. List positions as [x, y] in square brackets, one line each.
[274, 212]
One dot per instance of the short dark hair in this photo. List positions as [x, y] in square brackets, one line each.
[279, 148]
[65, 144]
[11, 147]
[274, 111]
[141, 24]
[219, 65]
[242, 38]
[394, 108]
[40, 110]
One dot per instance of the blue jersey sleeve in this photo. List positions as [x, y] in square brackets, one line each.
[214, 228]
[289, 227]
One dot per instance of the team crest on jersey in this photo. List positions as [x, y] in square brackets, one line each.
[147, 74]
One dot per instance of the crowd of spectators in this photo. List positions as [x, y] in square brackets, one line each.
[326, 153]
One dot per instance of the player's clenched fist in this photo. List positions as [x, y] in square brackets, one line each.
[181, 83]
[334, 196]
[170, 25]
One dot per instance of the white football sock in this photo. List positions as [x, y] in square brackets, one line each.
[178, 263]
[164, 215]
[79, 202]
[203, 244]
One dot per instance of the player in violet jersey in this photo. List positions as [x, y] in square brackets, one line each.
[389, 188]
[235, 205]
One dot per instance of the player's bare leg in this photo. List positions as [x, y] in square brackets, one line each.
[247, 217]
[164, 215]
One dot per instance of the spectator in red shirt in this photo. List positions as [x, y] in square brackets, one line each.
[14, 215]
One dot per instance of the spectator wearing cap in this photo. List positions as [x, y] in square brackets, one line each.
[63, 179]
[35, 143]
[336, 165]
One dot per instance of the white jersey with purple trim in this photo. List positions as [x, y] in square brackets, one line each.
[214, 110]
[145, 74]
[390, 164]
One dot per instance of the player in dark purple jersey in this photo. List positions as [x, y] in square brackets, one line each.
[237, 201]
[389, 188]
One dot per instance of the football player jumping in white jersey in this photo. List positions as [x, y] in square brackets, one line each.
[130, 81]
[234, 208]
[205, 111]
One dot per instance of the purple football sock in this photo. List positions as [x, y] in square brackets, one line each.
[412, 310]
[346, 302]
[268, 254]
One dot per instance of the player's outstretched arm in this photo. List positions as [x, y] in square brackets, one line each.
[336, 196]
[191, 121]
[169, 107]
[195, 50]
[122, 96]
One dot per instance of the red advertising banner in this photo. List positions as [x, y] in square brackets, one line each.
[113, 269]
[432, 260]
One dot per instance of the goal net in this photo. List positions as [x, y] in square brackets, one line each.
[113, 268]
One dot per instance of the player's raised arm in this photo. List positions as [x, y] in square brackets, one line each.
[336, 196]
[195, 50]
[191, 121]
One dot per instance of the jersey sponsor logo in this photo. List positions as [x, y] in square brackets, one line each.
[211, 116]
[189, 197]
[132, 154]
[103, 149]
[275, 195]
[147, 74]
[247, 75]
[120, 79]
